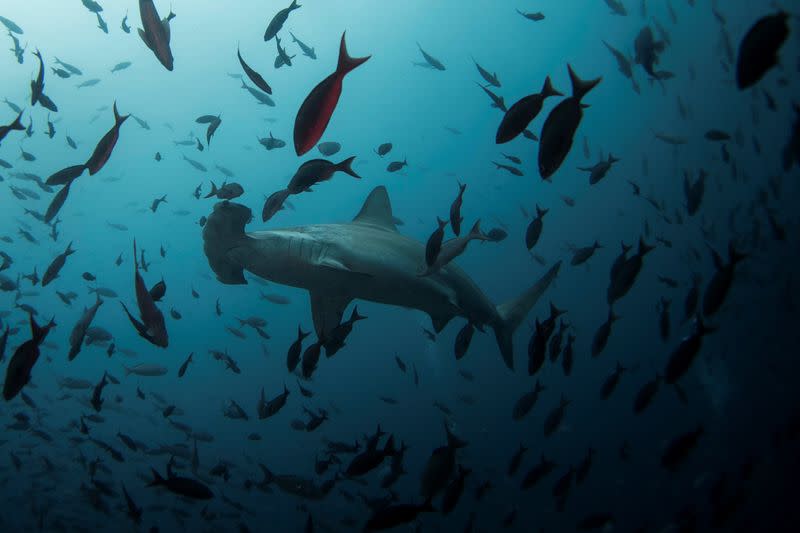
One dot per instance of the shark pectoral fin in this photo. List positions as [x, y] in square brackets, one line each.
[143, 35]
[165, 24]
[335, 264]
[439, 322]
[326, 311]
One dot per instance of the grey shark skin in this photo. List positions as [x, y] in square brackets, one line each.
[365, 259]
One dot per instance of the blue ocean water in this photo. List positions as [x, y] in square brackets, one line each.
[740, 390]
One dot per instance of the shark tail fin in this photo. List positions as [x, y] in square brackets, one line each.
[223, 231]
[512, 313]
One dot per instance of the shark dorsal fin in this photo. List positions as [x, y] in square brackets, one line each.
[377, 210]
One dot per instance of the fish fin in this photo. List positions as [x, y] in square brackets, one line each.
[347, 63]
[513, 312]
[66, 175]
[377, 210]
[439, 322]
[335, 264]
[581, 87]
[327, 310]
[146, 41]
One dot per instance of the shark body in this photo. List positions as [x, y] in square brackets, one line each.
[365, 259]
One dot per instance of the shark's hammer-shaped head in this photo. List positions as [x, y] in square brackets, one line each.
[223, 232]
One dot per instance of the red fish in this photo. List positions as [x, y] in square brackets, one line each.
[317, 109]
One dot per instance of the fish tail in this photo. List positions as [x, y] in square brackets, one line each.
[119, 119]
[294, 5]
[734, 255]
[17, 124]
[127, 370]
[644, 248]
[548, 89]
[157, 479]
[541, 212]
[347, 63]
[581, 87]
[346, 166]
[512, 313]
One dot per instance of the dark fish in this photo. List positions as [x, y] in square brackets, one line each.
[18, 372]
[270, 408]
[157, 202]
[599, 171]
[11, 25]
[262, 98]
[454, 490]
[581, 255]
[583, 468]
[561, 125]
[278, 20]
[434, 243]
[534, 230]
[497, 234]
[455, 210]
[254, 76]
[537, 473]
[611, 382]
[56, 265]
[57, 203]
[497, 101]
[553, 420]
[626, 274]
[308, 51]
[663, 319]
[274, 203]
[152, 327]
[430, 61]
[491, 78]
[394, 166]
[318, 170]
[679, 448]
[758, 51]
[384, 149]
[396, 515]
[283, 58]
[522, 113]
[102, 151]
[647, 51]
[317, 109]
[440, 466]
[182, 486]
[721, 282]
[513, 170]
[196, 164]
[78, 333]
[602, 334]
[125, 27]
[516, 461]
[685, 353]
[156, 33]
[329, 148]
[271, 143]
[228, 191]
[293, 355]
[646, 394]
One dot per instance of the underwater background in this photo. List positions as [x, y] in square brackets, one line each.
[739, 476]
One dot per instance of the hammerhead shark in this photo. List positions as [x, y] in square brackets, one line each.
[365, 259]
